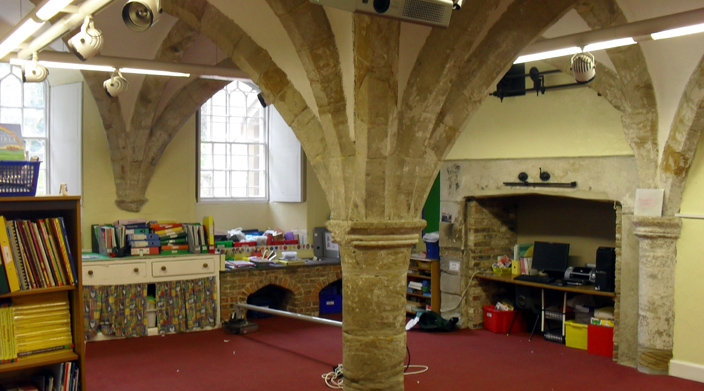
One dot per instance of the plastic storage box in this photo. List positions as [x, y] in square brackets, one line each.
[576, 335]
[500, 321]
[601, 340]
[331, 299]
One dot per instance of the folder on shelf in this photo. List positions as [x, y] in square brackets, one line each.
[10, 269]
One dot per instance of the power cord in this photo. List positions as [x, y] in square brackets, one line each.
[469, 284]
[334, 379]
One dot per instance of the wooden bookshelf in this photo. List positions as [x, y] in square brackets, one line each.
[423, 269]
[33, 208]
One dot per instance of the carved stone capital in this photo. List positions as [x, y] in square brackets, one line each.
[376, 234]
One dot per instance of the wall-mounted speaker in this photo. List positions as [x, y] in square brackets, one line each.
[605, 269]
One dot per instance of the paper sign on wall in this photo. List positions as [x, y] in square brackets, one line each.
[649, 202]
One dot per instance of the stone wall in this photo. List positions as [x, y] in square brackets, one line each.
[303, 282]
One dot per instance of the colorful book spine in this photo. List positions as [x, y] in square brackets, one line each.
[62, 250]
[174, 247]
[173, 252]
[10, 269]
[22, 269]
[61, 226]
[175, 235]
[209, 228]
[144, 251]
[143, 243]
[136, 231]
[147, 236]
[163, 226]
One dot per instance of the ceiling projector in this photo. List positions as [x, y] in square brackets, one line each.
[430, 12]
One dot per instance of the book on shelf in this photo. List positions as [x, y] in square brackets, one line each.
[40, 252]
[209, 233]
[175, 247]
[159, 226]
[179, 240]
[8, 349]
[168, 231]
[9, 262]
[173, 235]
[144, 251]
[138, 221]
[144, 243]
[42, 324]
[147, 236]
[173, 252]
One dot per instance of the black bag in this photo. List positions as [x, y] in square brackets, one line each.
[430, 321]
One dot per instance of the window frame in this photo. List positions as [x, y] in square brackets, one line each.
[46, 163]
[265, 155]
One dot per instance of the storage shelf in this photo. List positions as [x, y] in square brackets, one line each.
[39, 291]
[39, 360]
[426, 265]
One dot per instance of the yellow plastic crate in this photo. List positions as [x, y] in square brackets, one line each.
[576, 335]
[500, 270]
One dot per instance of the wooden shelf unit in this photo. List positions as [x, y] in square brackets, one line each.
[32, 208]
[427, 270]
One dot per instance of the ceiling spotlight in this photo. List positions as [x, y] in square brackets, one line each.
[115, 85]
[583, 67]
[32, 72]
[87, 42]
[139, 15]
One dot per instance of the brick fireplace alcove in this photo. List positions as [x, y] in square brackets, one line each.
[302, 285]
[479, 221]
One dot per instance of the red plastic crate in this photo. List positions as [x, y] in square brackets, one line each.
[500, 321]
[600, 340]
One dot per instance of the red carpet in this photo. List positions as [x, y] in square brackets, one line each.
[289, 354]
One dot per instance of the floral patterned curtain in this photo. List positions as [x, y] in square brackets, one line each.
[186, 305]
[117, 310]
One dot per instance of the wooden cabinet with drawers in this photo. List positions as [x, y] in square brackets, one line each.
[147, 270]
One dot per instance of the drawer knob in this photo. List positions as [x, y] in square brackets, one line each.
[205, 265]
[136, 270]
[90, 272]
[163, 268]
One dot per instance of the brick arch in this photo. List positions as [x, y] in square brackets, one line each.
[276, 280]
[327, 280]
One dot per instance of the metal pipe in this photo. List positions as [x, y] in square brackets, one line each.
[293, 315]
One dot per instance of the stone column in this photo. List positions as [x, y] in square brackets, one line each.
[656, 290]
[375, 257]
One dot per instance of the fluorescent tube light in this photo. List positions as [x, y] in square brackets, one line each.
[27, 28]
[549, 54]
[52, 8]
[66, 65]
[678, 32]
[154, 72]
[609, 44]
[100, 68]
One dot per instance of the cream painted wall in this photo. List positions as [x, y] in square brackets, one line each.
[561, 123]
[171, 193]
[689, 271]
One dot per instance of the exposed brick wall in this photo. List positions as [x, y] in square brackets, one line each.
[491, 232]
[302, 283]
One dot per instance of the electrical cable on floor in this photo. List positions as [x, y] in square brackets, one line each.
[334, 379]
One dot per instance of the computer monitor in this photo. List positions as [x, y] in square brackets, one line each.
[551, 258]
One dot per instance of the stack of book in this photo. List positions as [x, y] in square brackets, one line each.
[8, 348]
[172, 237]
[41, 324]
[35, 254]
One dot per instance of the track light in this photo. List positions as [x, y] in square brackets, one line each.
[87, 42]
[139, 15]
[32, 72]
[115, 85]
[583, 67]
